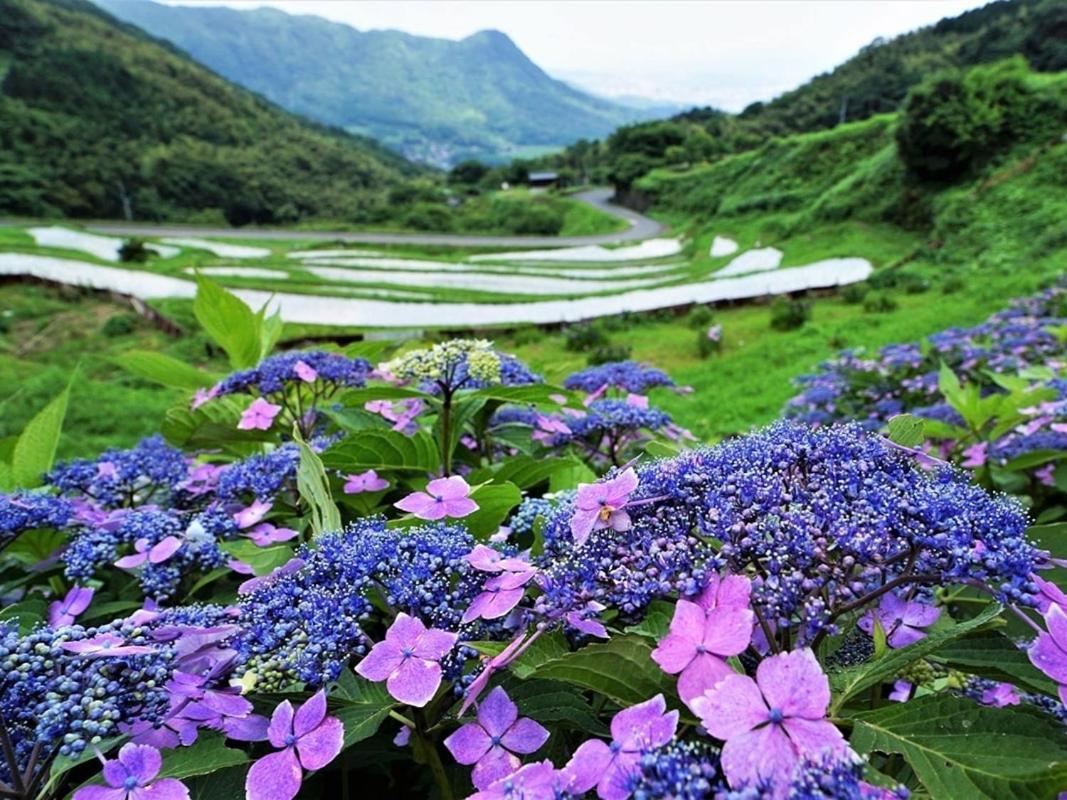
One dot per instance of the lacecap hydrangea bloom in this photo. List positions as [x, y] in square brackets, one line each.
[460, 364]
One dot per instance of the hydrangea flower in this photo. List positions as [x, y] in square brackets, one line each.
[635, 731]
[264, 534]
[770, 724]
[129, 777]
[144, 553]
[602, 505]
[444, 497]
[365, 482]
[902, 620]
[628, 376]
[492, 742]
[259, 416]
[537, 781]
[1049, 650]
[65, 611]
[699, 641]
[308, 739]
[408, 660]
[457, 364]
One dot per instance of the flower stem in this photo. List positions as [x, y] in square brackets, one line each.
[433, 759]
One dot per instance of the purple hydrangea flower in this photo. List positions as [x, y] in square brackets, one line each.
[444, 497]
[1049, 651]
[309, 740]
[537, 781]
[491, 742]
[365, 482]
[65, 611]
[259, 416]
[612, 768]
[129, 777]
[902, 620]
[408, 660]
[772, 723]
[700, 641]
[601, 505]
[105, 645]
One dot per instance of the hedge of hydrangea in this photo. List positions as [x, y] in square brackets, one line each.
[443, 577]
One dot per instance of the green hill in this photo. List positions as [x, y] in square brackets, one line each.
[435, 100]
[97, 119]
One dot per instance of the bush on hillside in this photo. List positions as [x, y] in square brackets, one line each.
[788, 314]
[583, 337]
[134, 251]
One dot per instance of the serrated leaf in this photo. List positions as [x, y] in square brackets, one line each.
[849, 682]
[495, 502]
[209, 754]
[555, 703]
[229, 322]
[164, 370]
[657, 621]
[570, 478]
[537, 394]
[960, 749]
[366, 706]
[262, 560]
[384, 450]
[527, 471]
[33, 547]
[906, 430]
[29, 614]
[314, 489]
[621, 669]
[35, 450]
[993, 655]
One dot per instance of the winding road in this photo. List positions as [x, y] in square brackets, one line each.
[640, 227]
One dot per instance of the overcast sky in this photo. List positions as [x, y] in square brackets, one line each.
[726, 53]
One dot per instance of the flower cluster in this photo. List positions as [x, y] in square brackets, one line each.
[274, 375]
[460, 364]
[305, 623]
[147, 473]
[26, 511]
[625, 376]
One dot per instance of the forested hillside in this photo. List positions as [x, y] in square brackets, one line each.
[97, 119]
[875, 81]
[435, 100]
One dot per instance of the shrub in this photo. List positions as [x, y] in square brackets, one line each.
[952, 284]
[119, 325]
[699, 317]
[854, 293]
[879, 303]
[583, 336]
[709, 341]
[608, 353]
[134, 251]
[788, 314]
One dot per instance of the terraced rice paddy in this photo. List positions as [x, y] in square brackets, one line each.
[377, 289]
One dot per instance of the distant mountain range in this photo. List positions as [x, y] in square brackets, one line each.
[433, 100]
[99, 119]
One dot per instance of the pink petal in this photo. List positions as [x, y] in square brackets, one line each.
[274, 777]
[164, 549]
[281, 724]
[674, 653]
[166, 789]
[140, 761]
[733, 707]
[765, 753]
[525, 736]
[448, 488]
[645, 725]
[99, 793]
[704, 673]
[421, 505]
[586, 767]
[310, 714]
[381, 662]
[434, 644]
[813, 737]
[582, 524]
[728, 630]
[460, 507]
[497, 713]
[469, 743]
[415, 682]
[618, 780]
[795, 683]
[132, 561]
[406, 631]
[320, 746]
[496, 764]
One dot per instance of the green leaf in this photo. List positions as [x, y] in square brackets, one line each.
[270, 330]
[495, 502]
[658, 449]
[657, 621]
[621, 669]
[62, 764]
[384, 450]
[366, 705]
[33, 547]
[357, 397]
[208, 754]
[35, 450]
[537, 394]
[7, 452]
[229, 322]
[262, 560]
[527, 471]
[164, 370]
[570, 478]
[960, 749]
[906, 430]
[554, 703]
[993, 655]
[1035, 458]
[226, 784]
[314, 489]
[29, 614]
[849, 682]
[212, 425]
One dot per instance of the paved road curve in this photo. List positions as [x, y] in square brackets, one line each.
[641, 227]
